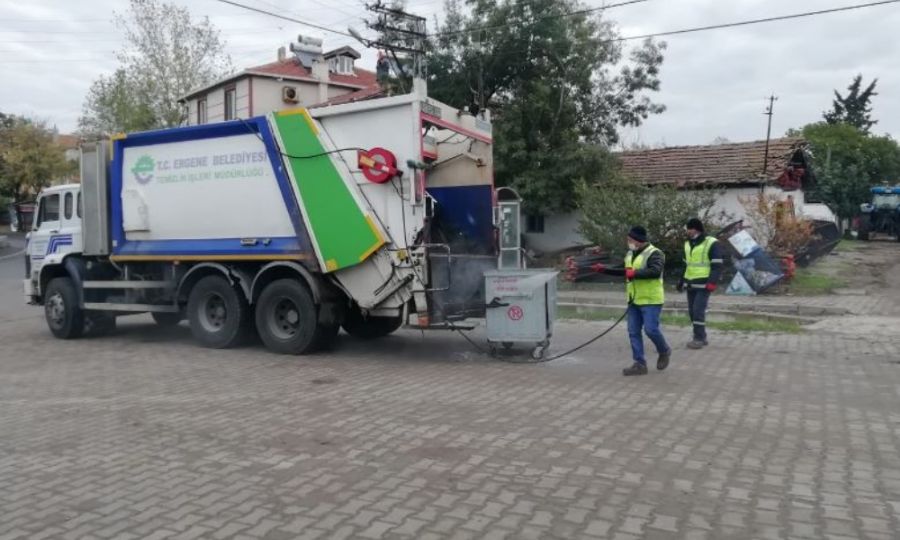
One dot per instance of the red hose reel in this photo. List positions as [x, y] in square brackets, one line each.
[378, 165]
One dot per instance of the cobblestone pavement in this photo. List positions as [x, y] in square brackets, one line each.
[144, 435]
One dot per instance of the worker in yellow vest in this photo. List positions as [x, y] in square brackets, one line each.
[702, 268]
[643, 271]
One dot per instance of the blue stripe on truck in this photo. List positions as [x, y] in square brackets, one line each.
[220, 246]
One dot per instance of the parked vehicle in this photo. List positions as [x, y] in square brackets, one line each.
[881, 217]
[290, 225]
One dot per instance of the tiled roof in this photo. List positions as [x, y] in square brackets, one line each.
[359, 95]
[67, 141]
[719, 164]
[290, 68]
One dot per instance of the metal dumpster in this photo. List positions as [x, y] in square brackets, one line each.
[521, 308]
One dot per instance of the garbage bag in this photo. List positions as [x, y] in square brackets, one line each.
[760, 270]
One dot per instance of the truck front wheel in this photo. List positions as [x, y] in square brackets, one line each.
[64, 317]
[217, 313]
[287, 319]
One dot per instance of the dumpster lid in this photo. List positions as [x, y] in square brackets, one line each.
[519, 282]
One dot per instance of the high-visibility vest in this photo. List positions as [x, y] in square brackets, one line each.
[697, 259]
[644, 292]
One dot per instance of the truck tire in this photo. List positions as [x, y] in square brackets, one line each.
[166, 320]
[370, 327]
[217, 313]
[287, 318]
[64, 316]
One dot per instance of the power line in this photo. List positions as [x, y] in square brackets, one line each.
[280, 16]
[539, 19]
[752, 21]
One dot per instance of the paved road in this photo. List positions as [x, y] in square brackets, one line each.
[144, 435]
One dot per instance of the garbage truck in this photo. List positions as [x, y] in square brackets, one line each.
[362, 216]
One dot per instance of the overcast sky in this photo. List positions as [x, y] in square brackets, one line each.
[714, 83]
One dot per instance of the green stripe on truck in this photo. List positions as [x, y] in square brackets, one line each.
[341, 231]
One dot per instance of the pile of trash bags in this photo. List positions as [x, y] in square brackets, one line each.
[755, 270]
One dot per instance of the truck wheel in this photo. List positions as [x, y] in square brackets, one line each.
[370, 327]
[64, 317]
[287, 319]
[217, 313]
[166, 320]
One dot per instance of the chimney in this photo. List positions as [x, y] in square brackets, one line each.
[282, 54]
[321, 73]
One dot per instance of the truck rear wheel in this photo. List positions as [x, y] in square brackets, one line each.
[287, 319]
[370, 327]
[217, 313]
[64, 317]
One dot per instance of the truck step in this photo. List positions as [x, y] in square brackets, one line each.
[140, 284]
[111, 306]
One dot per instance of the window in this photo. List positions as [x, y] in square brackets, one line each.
[230, 104]
[346, 65]
[534, 224]
[78, 206]
[201, 111]
[49, 210]
[68, 205]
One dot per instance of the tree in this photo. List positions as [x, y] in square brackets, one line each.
[847, 162]
[558, 83]
[167, 54]
[855, 107]
[113, 105]
[30, 159]
[611, 208]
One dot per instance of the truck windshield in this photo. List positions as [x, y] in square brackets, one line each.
[886, 200]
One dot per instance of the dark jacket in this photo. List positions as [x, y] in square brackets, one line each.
[652, 270]
[716, 263]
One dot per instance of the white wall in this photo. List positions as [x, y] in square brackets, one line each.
[561, 230]
[267, 94]
[215, 103]
[729, 200]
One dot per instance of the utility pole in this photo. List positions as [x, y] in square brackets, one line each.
[402, 32]
[770, 110]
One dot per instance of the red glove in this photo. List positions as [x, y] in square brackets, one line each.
[629, 274]
[710, 287]
[599, 267]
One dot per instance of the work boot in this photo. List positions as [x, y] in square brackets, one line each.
[696, 344]
[663, 361]
[635, 369]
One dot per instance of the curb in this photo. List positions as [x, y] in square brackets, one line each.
[711, 314]
[796, 309]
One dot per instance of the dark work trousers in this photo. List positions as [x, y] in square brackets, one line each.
[698, 298]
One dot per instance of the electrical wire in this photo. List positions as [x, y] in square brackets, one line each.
[537, 19]
[286, 18]
[752, 21]
[259, 136]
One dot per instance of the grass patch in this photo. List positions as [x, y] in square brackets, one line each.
[808, 282]
[847, 244]
[671, 319]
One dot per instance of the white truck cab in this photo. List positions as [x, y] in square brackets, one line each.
[55, 234]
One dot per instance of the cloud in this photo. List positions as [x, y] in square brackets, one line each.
[713, 83]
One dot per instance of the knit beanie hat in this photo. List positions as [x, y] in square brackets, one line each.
[638, 233]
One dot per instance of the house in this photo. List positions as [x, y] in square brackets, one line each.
[734, 170]
[308, 77]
